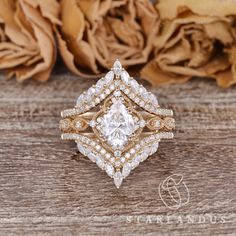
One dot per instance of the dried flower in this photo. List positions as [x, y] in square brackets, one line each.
[27, 44]
[194, 41]
[94, 33]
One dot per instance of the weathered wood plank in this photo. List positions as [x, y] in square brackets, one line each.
[47, 188]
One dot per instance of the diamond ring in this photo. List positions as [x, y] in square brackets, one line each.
[117, 123]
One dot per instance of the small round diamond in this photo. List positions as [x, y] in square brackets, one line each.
[127, 155]
[92, 123]
[132, 151]
[132, 95]
[122, 87]
[142, 103]
[126, 91]
[142, 123]
[102, 96]
[108, 155]
[137, 100]
[93, 144]
[117, 93]
[103, 151]
[107, 91]
[112, 87]
[157, 123]
[117, 153]
[91, 91]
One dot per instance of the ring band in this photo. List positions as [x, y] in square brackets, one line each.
[117, 123]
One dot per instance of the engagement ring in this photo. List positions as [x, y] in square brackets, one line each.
[117, 123]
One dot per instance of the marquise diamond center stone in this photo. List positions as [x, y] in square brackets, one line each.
[118, 125]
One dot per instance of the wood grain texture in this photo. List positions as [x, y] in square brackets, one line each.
[48, 188]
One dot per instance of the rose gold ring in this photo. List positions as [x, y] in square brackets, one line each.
[117, 123]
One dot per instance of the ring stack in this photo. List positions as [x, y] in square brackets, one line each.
[117, 123]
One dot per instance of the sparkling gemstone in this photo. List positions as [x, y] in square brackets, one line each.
[100, 163]
[135, 162]
[110, 170]
[132, 95]
[142, 123]
[109, 77]
[142, 103]
[117, 93]
[92, 123]
[153, 99]
[117, 83]
[117, 153]
[117, 67]
[107, 91]
[112, 87]
[125, 77]
[127, 155]
[122, 87]
[134, 84]
[156, 124]
[126, 169]
[79, 124]
[126, 91]
[137, 100]
[102, 96]
[108, 155]
[145, 154]
[103, 151]
[118, 178]
[97, 100]
[91, 91]
[132, 151]
[117, 125]
[92, 157]
[81, 148]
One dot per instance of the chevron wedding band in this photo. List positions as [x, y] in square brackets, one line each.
[117, 123]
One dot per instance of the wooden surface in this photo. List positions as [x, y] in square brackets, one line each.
[47, 188]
